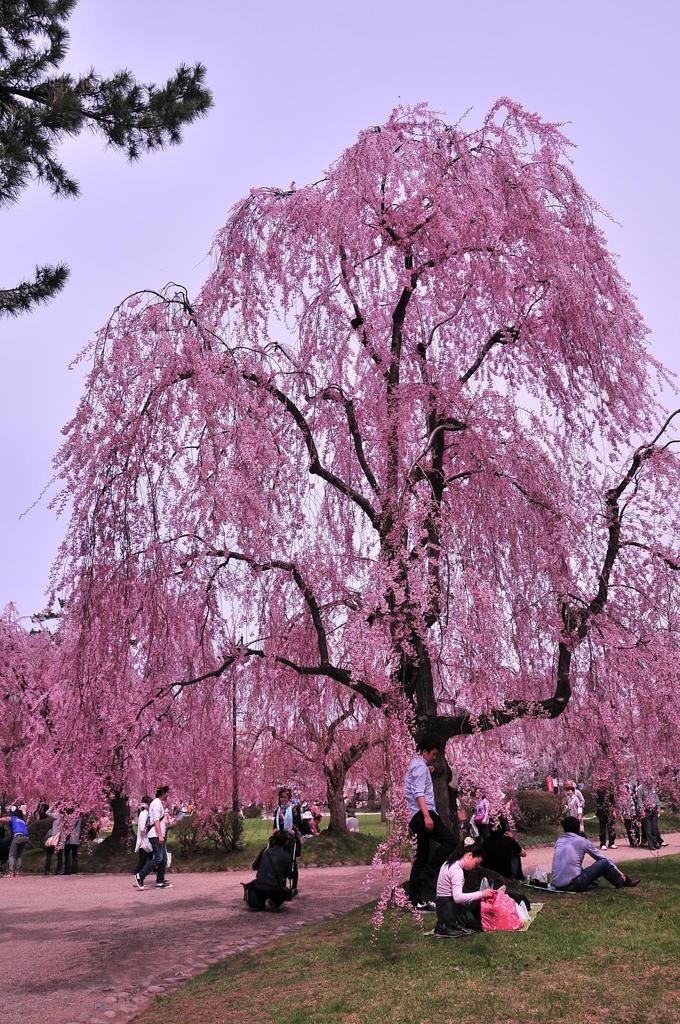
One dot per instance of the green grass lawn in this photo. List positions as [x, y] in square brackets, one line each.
[351, 848]
[608, 956]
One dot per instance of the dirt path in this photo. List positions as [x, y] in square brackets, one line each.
[91, 949]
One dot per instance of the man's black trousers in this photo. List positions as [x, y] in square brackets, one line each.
[429, 857]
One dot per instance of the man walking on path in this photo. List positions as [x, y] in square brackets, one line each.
[156, 833]
[426, 825]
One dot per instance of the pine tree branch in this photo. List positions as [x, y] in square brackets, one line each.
[46, 283]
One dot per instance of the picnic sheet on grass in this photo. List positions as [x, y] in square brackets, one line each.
[551, 888]
[536, 908]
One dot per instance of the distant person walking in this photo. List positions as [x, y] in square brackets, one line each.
[55, 841]
[650, 805]
[157, 830]
[72, 846]
[606, 816]
[574, 802]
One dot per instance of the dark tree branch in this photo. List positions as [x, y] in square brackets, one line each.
[315, 465]
[500, 337]
[353, 425]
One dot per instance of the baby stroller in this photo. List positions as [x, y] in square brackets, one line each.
[293, 847]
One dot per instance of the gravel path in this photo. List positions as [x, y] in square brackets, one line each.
[83, 949]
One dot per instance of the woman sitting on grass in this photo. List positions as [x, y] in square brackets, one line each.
[459, 912]
[502, 852]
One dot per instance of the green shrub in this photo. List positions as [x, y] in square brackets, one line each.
[253, 811]
[188, 833]
[223, 828]
[38, 829]
[537, 807]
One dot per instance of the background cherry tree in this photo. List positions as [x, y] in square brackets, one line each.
[312, 734]
[405, 442]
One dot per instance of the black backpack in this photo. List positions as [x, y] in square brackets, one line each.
[249, 896]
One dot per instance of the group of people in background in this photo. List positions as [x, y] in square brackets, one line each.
[638, 810]
[64, 837]
[66, 844]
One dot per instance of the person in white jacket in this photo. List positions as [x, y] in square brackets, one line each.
[575, 802]
[142, 845]
[458, 912]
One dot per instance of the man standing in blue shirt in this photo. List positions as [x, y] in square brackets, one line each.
[425, 824]
[568, 872]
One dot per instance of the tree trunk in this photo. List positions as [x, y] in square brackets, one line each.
[120, 813]
[418, 686]
[441, 789]
[384, 800]
[235, 800]
[335, 796]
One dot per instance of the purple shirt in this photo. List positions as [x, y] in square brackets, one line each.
[418, 782]
[570, 849]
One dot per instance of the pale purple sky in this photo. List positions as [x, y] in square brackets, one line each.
[293, 84]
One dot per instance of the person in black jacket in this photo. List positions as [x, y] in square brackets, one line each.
[274, 865]
[502, 853]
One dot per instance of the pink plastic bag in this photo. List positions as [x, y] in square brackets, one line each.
[500, 914]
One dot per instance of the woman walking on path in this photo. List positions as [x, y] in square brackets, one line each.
[142, 845]
[72, 846]
[574, 803]
[55, 841]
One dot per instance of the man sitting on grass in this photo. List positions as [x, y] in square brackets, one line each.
[568, 872]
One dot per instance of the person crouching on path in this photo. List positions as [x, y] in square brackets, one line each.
[273, 865]
[459, 912]
[568, 872]
[157, 829]
[425, 824]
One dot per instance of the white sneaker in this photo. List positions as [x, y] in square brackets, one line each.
[603, 846]
[163, 885]
[612, 846]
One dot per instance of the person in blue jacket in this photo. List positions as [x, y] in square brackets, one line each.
[19, 839]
